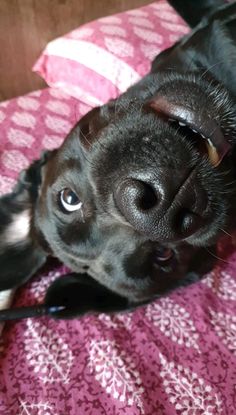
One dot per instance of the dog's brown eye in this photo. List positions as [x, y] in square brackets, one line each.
[70, 200]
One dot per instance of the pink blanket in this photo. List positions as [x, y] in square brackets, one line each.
[174, 356]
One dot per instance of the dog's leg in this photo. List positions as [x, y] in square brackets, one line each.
[193, 11]
[80, 294]
[20, 255]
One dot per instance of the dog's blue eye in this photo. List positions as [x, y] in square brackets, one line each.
[70, 200]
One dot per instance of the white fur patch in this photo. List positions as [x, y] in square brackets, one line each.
[5, 302]
[5, 298]
[19, 228]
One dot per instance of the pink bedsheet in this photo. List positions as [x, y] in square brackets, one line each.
[175, 356]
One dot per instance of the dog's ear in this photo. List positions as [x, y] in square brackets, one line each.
[80, 294]
[20, 254]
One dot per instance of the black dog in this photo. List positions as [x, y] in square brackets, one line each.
[141, 186]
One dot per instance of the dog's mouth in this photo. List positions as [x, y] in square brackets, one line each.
[203, 132]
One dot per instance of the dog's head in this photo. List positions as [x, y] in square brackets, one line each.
[141, 185]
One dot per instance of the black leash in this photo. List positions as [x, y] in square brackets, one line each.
[26, 312]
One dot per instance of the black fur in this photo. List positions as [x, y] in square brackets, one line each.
[152, 201]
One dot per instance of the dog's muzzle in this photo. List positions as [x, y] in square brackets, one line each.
[171, 204]
[168, 208]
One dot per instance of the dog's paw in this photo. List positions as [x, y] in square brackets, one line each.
[80, 294]
[20, 254]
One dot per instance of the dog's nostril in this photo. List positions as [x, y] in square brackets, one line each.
[147, 198]
[187, 222]
[135, 196]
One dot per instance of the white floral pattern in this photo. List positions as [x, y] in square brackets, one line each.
[14, 160]
[118, 46]
[20, 138]
[116, 373]
[141, 21]
[6, 184]
[28, 103]
[58, 107]
[175, 27]
[58, 124]
[222, 284]
[50, 357]
[35, 408]
[24, 119]
[149, 50]
[188, 392]
[225, 327]
[52, 141]
[116, 321]
[113, 30]
[174, 322]
[39, 287]
[148, 35]
[167, 15]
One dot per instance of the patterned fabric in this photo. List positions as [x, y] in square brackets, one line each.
[103, 58]
[39, 120]
[176, 356]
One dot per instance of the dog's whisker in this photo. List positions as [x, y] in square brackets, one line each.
[191, 62]
[86, 158]
[85, 137]
[103, 148]
[211, 67]
[226, 192]
[90, 143]
[219, 258]
[231, 183]
[226, 233]
[224, 173]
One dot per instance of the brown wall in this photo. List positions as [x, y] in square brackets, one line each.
[27, 25]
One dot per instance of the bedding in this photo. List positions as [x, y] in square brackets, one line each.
[176, 356]
[111, 53]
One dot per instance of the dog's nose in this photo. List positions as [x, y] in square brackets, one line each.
[168, 209]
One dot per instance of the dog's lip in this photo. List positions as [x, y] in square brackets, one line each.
[199, 122]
